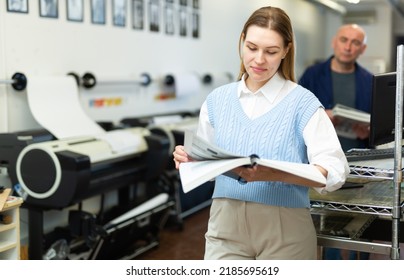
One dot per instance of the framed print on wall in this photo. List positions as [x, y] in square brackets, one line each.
[169, 17]
[154, 15]
[17, 6]
[137, 14]
[74, 10]
[183, 21]
[195, 25]
[98, 11]
[48, 8]
[119, 12]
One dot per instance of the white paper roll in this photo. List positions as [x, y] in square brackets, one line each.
[187, 84]
[54, 103]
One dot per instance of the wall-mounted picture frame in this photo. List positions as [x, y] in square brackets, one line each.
[183, 18]
[138, 14]
[154, 15]
[74, 10]
[195, 4]
[183, 2]
[49, 8]
[169, 17]
[119, 9]
[17, 6]
[195, 25]
[98, 11]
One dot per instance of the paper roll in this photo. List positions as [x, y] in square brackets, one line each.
[187, 84]
[55, 104]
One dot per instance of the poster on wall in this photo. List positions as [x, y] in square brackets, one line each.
[98, 11]
[154, 15]
[48, 8]
[74, 10]
[169, 17]
[17, 6]
[119, 12]
[137, 14]
[183, 21]
[195, 19]
[195, 24]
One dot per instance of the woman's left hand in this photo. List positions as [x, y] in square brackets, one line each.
[179, 156]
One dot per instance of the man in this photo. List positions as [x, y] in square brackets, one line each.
[340, 79]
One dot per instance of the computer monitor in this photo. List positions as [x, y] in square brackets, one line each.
[383, 109]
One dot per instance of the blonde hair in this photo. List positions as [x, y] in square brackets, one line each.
[275, 19]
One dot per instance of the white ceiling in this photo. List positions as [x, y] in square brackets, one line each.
[397, 5]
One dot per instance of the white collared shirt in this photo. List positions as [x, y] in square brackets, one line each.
[323, 146]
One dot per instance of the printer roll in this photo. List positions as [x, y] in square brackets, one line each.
[187, 84]
[55, 105]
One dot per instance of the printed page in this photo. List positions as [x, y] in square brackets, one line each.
[198, 149]
[195, 173]
[296, 173]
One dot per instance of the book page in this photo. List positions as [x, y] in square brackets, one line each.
[196, 173]
[295, 173]
[199, 149]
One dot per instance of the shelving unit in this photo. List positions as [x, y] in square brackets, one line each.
[381, 195]
[10, 233]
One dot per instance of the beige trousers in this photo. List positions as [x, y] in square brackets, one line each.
[240, 230]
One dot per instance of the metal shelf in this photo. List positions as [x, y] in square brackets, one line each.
[375, 198]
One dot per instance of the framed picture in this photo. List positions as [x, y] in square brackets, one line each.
[154, 15]
[183, 21]
[98, 11]
[74, 10]
[17, 6]
[48, 8]
[119, 12]
[169, 17]
[137, 14]
[184, 2]
[195, 25]
[195, 4]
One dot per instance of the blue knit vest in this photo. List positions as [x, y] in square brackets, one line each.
[278, 135]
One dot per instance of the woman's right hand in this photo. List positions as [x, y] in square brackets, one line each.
[180, 156]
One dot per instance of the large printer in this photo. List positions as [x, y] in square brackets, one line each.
[173, 126]
[58, 173]
[57, 158]
[54, 174]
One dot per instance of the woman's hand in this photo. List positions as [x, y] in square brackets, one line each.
[180, 156]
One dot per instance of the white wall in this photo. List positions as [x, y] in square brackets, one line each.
[40, 46]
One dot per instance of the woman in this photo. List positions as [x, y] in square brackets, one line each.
[268, 114]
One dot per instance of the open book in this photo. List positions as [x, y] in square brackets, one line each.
[211, 161]
[346, 117]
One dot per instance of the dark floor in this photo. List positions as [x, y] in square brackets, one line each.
[187, 243]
